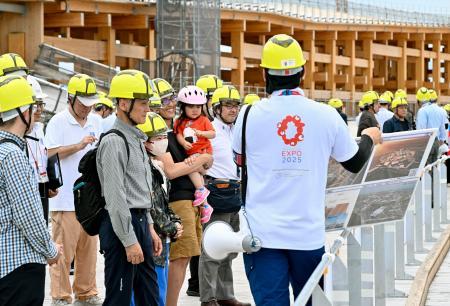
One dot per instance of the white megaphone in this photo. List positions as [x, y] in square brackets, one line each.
[219, 239]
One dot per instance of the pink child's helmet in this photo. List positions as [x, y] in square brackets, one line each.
[192, 95]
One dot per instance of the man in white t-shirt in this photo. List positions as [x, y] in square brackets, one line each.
[289, 141]
[71, 134]
[384, 114]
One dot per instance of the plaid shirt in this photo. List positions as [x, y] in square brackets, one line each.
[24, 237]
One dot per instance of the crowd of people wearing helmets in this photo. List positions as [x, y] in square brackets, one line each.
[391, 113]
[169, 163]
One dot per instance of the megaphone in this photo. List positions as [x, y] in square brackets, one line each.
[219, 239]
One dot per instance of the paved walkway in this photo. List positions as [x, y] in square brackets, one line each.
[439, 293]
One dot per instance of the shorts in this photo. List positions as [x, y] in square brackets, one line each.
[189, 244]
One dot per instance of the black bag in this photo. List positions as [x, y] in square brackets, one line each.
[55, 179]
[225, 196]
[89, 202]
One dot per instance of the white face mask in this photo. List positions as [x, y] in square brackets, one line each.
[159, 147]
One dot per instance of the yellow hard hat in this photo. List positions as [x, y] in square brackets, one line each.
[398, 101]
[163, 88]
[447, 107]
[102, 94]
[154, 125]
[131, 84]
[360, 104]
[209, 83]
[369, 98]
[422, 94]
[432, 95]
[400, 93]
[336, 103]
[251, 99]
[105, 101]
[15, 92]
[83, 88]
[282, 55]
[155, 101]
[227, 93]
[387, 97]
[11, 62]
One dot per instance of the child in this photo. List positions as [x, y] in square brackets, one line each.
[193, 131]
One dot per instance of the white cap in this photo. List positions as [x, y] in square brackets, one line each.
[38, 93]
[88, 101]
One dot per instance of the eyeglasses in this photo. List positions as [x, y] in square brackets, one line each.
[231, 106]
[166, 101]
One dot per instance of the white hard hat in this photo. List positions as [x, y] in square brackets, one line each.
[443, 149]
[36, 88]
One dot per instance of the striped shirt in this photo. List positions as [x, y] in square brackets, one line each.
[24, 237]
[126, 180]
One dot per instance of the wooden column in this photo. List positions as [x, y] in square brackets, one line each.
[437, 66]
[402, 65]
[419, 43]
[309, 45]
[446, 42]
[330, 48]
[237, 51]
[350, 51]
[108, 34]
[367, 38]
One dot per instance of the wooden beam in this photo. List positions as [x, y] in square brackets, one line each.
[349, 50]
[310, 66]
[97, 20]
[252, 51]
[304, 35]
[258, 27]
[228, 62]
[92, 49]
[130, 22]
[389, 51]
[131, 51]
[378, 82]
[366, 35]
[282, 29]
[437, 63]
[361, 63]
[233, 26]
[110, 7]
[16, 43]
[401, 36]
[321, 77]
[328, 35]
[331, 49]
[341, 78]
[417, 36]
[412, 84]
[402, 66]
[347, 35]
[361, 79]
[55, 7]
[343, 60]
[64, 20]
[429, 54]
[323, 58]
[413, 52]
[420, 61]
[433, 36]
[368, 54]
[384, 36]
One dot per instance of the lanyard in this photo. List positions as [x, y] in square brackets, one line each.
[290, 92]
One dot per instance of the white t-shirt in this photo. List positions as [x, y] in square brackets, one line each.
[64, 130]
[108, 122]
[37, 153]
[383, 115]
[99, 120]
[223, 165]
[289, 142]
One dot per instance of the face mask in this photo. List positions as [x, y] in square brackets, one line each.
[159, 147]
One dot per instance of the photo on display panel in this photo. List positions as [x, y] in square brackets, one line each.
[381, 202]
[338, 204]
[396, 158]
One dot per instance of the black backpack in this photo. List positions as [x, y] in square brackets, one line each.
[89, 202]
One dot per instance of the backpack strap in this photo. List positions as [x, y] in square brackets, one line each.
[244, 177]
[6, 140]
[121, 135]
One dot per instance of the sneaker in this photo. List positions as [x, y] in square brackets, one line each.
[90, 301]
[192, 292]
[61, 302]
[200, 196]
[206, 212]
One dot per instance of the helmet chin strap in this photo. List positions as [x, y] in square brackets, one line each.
[128, 113]
[72, 103]
[22, 117]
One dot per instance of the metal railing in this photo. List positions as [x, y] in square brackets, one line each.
[376, 258]
[52, 57]
[347, 12]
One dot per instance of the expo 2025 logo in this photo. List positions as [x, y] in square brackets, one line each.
[284, 125]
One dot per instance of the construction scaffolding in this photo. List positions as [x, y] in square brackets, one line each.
[188, 40]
